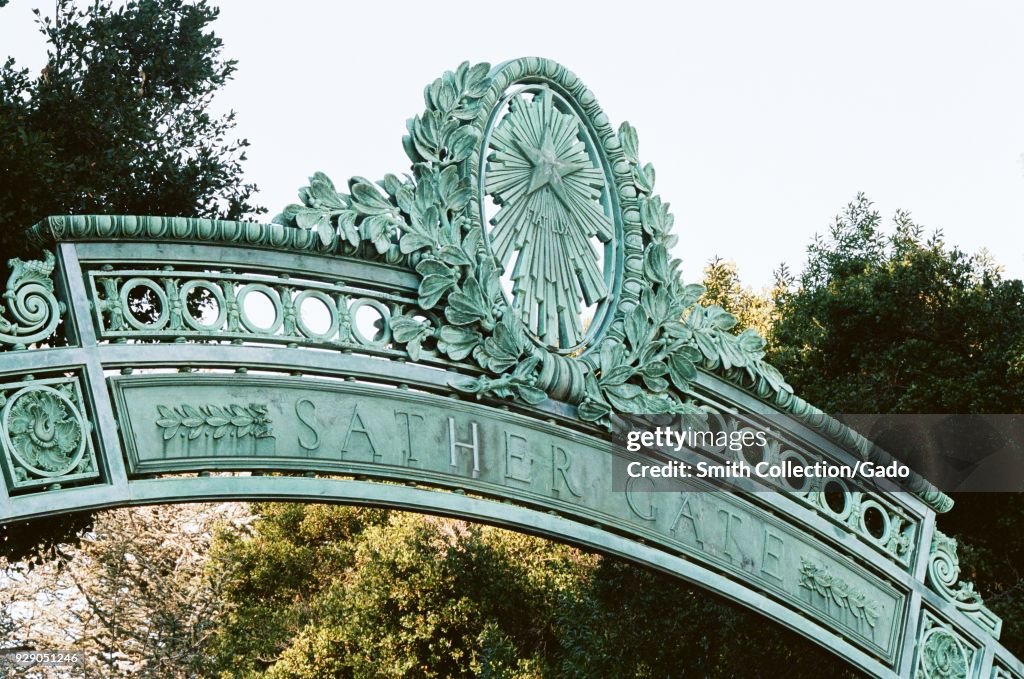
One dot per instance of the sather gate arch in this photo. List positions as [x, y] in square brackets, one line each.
[456, 341]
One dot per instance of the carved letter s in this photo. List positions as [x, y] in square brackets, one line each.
[309, 424]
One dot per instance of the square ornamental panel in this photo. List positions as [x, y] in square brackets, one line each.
[46, 434]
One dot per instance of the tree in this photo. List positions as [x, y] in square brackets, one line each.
[622, 615]
[899, 323]
[133, 594]
[321, 591]
[722, 286]
[902, 323]
[118, 120]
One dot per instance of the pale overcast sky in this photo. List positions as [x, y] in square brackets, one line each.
[763, 119]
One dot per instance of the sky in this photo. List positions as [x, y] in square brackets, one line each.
[762, 119]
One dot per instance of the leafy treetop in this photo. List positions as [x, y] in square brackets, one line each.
[118, 120]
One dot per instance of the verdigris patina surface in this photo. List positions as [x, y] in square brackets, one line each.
[458, 340]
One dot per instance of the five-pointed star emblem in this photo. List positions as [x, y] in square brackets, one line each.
[548, 167]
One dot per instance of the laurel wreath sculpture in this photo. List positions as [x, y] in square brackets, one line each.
[647, 358]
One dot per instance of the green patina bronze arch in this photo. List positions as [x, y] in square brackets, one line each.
[438, 375]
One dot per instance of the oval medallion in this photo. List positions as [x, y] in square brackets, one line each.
[548, 215]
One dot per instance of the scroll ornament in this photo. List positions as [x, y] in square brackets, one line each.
[944, 577]
[31, 312]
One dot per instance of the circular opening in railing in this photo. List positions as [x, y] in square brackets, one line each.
[874, 521]
[792, 481]
[261, 308]
[715, 428]
[752, 453]
[836, 497]
[549, 216]
[371, 322]
[204, 305]
[146, 304]
[318, 317]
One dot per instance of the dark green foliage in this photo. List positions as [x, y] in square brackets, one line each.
[902, 323]
[899, 324]
[274, 577]
[989, 529]
[339, 591]
[320, 591]
[118, 119]
[630, 622]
